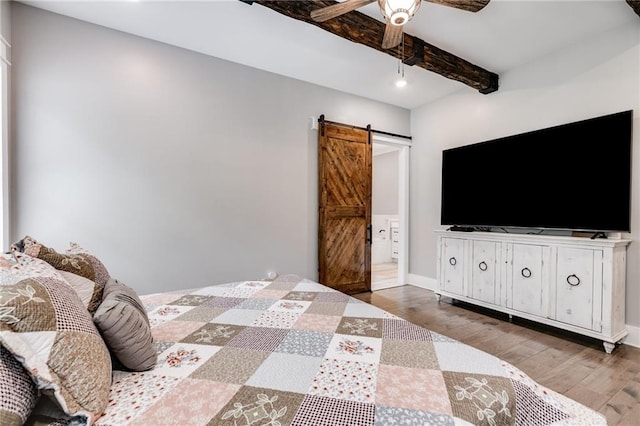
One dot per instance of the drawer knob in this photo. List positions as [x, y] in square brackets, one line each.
[526, 272]
[483, 266]
[573, 280]
[452, 261]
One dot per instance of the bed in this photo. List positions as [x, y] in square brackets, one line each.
[293, 351]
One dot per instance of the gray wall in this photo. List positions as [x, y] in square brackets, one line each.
[385, 183]
[5, 19]
[176, 169]
[595, 77]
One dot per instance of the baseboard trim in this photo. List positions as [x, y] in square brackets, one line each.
[422, 282]
[633, 339]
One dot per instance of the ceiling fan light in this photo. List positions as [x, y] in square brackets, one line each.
[401, 82]
[399, 17]
[399, 12]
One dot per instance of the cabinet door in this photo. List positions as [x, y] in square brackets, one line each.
[452, 265]
[578, 280]
[484, 276]
[528, 275]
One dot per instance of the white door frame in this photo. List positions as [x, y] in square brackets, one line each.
[5, 47]
[403, 146]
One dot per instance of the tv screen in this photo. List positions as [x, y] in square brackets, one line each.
[575, 176]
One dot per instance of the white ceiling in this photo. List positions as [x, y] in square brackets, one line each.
[505, 34]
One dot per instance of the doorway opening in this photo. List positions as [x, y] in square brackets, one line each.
[389, 213]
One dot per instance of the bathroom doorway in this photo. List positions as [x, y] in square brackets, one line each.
[389, 212]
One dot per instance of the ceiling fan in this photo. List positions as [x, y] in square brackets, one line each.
[396, 13]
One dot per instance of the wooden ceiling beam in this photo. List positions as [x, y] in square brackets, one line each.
[635, 5]
[360, 28]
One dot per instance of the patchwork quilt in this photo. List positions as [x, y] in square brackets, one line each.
[292, 351]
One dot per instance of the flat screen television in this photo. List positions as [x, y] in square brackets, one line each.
[575, 176]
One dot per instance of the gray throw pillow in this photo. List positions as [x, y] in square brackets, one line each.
[124, 325]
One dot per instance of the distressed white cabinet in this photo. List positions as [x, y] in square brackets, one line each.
[484, 270]
[452, 265]
[527, 278]
[395, 240]
[577, 284]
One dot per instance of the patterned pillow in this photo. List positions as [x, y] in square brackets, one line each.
[46, 327]
[18, 394]
[124, 325]
[100, 271]
[81, 269]
[7, 260]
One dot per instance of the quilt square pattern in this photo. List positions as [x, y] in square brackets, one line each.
[409, 354]
[350, 380]
[213, 334]
[259, 338]
[190, 399]
[173, 331]
[182, 359]
[223, 302]
[403, 416]
[238, 316]
[317, 322]
[371, 327]
[354, 348]
[132, 394]
[276, 319]
[259, 406]
[322, 411]
[164, 313]
[412, 388]
[200, 313]
[305, 342]
[295, 352]
[257, 304]
[398, 329]
[327, 308]
[231, 365]
[476, 397]
[191, 300]
[294, 306]
[300, 295]
[288, 372]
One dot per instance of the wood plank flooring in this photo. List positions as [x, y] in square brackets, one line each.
[384, 274]
[573, 365]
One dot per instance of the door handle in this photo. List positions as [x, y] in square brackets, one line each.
[369, 234]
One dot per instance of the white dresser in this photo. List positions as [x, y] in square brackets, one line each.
[395, 240]
[577, 284]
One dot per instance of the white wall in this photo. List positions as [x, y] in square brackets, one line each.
[596, 77]
[385, 183]
[177, 169]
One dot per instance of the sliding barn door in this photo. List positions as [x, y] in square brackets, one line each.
[344, 232]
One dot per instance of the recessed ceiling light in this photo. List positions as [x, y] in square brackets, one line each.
[401, 82]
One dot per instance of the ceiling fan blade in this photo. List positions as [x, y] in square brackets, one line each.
[326, 13]
[468, 5]
[392, 36]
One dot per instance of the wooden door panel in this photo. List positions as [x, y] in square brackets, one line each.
[346, 242]
[344, 185]
[346, 133]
